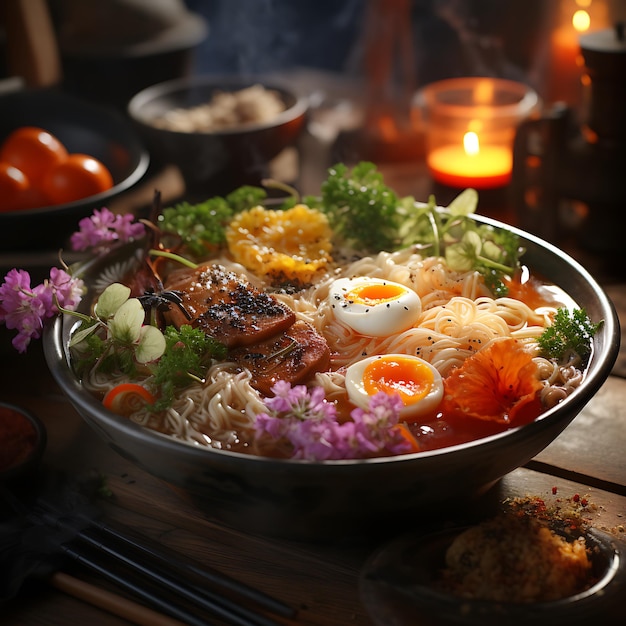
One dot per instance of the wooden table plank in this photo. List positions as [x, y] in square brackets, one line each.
[594, 444]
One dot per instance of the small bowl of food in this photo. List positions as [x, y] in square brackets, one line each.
[311, 372]
[528, 563]
[22, 441]
[220, 132]
[60, 158]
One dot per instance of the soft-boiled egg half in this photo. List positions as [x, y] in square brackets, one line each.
[416, 381]
[374, 306]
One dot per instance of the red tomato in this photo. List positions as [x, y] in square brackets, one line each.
[78, 176]
[32, 150]
[35, 198]
[13, 187]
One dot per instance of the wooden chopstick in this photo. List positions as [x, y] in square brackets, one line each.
[111, 602]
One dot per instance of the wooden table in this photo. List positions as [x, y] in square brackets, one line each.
[319, 581]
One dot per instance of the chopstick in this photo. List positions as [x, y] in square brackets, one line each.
[206, 573]
[111, 602]
[152, 568]
[156, 600]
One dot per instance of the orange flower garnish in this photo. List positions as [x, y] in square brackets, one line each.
[493, 384]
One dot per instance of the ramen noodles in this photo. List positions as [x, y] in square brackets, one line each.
[473, 359]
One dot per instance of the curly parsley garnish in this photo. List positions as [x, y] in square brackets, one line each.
[362, 210]
[203, 225]
[571, 332]
[368, 215]
[187, 357]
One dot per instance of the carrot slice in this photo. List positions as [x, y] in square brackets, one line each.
[126, 398]
[404, 430]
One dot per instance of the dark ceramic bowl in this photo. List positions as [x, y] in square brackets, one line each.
[396, 587]
[312, 500]
[23, 438]
[216, 162]
[81, 127]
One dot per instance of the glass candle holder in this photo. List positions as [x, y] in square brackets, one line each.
[470, 126]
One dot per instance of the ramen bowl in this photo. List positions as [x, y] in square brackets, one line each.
[220, 160]
[84, 128]
[308, 500]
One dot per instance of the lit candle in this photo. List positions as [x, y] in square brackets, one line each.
[471, 165]
[470, 125]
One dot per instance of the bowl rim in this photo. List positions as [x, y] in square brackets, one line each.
[57, 357]
[177, 85]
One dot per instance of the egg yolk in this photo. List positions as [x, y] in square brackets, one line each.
[372, 294]
[410, 379]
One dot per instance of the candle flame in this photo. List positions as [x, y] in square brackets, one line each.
[471, 143]
[581, 21]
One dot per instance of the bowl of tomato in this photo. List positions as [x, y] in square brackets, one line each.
[60, 158]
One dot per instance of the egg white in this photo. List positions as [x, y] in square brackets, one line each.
[359, 396]
[374, 318]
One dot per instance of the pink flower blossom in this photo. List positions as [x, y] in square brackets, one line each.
[25, 308]
[309, 422]
[105, 228]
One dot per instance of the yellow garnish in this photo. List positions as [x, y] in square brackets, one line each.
[292, 245]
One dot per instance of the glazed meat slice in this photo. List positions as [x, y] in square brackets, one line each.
[294, 356]
[226, 306]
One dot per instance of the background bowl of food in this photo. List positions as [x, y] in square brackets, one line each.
[221, 132]
[535, 559]
[107, 158]
[311, 477]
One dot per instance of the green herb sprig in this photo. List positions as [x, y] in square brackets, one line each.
[571, 333]
[187, 356]
[203, 225]
[369, 216]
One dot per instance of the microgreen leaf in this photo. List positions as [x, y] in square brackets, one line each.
[126, 324]
[465, 203]
[110, 300]
[151, 344]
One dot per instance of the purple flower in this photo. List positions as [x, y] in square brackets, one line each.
[24, 308]
[104, 228]
[309, 422]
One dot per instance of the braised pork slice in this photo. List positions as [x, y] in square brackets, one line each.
[294, 355]
[226, 306]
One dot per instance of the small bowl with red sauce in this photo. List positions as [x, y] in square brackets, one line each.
[22, 441]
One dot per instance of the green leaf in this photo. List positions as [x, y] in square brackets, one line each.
[83, 333]
[111, 299]
[126, 324]
[460, 257]
[465, 203]
[151, 345]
